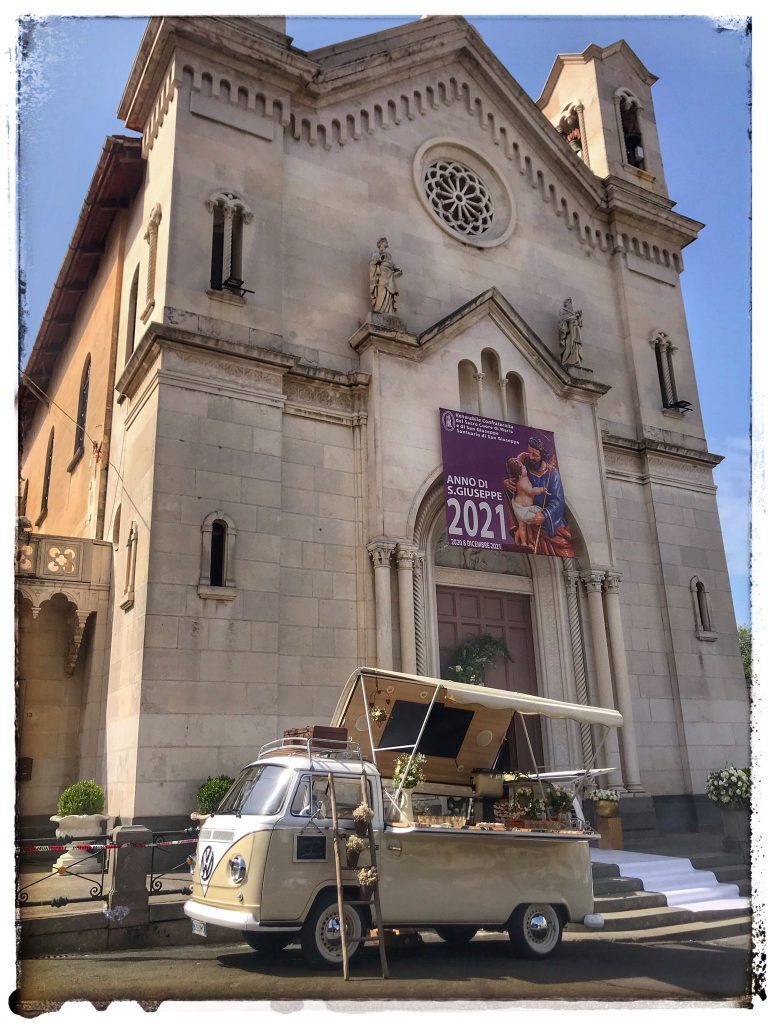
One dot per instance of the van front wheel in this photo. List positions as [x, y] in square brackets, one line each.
[535, 931]
[321, 932]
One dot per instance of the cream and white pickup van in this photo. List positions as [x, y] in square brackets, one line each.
[265, 862]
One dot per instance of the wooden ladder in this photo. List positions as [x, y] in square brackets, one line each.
[373, 903]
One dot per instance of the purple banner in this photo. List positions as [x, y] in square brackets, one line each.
[502, 486]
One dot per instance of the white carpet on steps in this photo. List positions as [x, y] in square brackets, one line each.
[676, 878]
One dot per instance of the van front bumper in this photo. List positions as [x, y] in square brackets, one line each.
[239, 920]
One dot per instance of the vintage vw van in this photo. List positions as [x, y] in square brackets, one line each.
[265, 863]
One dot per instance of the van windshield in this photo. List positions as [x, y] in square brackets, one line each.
[259, 789]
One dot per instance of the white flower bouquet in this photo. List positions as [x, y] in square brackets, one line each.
[730, 787]
[605, 794]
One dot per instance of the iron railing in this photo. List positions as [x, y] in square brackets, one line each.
[81, 850]
[168, 847]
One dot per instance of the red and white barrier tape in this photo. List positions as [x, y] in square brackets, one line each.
[60, 847]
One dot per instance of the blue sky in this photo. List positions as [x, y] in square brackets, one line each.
[76, 68]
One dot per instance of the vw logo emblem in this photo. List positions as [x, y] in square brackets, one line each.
[206, 864]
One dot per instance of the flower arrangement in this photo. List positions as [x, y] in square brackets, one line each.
[559, 801]
[406, 776]
[354, 847]
[377, 714]
[468, 661]
[367, 877]
[730, 787]
[85, 797]
[355, 844]
[362, 813]
[606, 794]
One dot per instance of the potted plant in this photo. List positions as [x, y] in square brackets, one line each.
[354, 847]
[468, 661]
[362, 816]
[559, 803]
[606, 802]
[407, 776]
[730, 789]
[79, 814]
[367, 877]
[210, 795]
[377, 714]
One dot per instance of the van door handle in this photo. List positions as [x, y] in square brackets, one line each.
[395, 846]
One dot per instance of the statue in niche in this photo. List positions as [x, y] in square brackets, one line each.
[382, 278]
[570, 324]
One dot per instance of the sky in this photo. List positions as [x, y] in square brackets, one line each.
[75, 69]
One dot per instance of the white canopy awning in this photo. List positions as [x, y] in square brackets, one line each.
[485, 696]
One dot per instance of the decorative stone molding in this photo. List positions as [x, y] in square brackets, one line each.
[612, 582]
[130, 567]
[154, 122]
[150, 237]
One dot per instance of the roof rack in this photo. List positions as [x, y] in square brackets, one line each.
[342, 750]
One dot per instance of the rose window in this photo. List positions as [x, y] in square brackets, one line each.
[458, 197]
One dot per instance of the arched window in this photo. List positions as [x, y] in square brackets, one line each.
[230, 213]
[702, 614]
[46, 480]
[116, 527]
[664, 351]
[131, 547]
[515, 399]
[133, 299]
[82, 412]
[468, 387]
[491, 385]
[628, 114]
[218, 552]
[217, 561]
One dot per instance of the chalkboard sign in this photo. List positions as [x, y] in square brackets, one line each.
[443, 736]
[310, 847]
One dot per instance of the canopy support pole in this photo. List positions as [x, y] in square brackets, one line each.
[399, 789]
[533, 758]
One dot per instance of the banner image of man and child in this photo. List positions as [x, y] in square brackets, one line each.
[515, 468]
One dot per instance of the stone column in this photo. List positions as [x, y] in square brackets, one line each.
[419, 616]
[405, 556]
[621, 679]
[503, 395]
[583, 131]
[593, 584]
[480, 377]
[579, 668]
[226, 265]
[381, 555]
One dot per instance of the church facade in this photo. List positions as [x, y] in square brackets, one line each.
[269, 298]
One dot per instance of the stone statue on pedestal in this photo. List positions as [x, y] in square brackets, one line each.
[570, 323]
[382, 276]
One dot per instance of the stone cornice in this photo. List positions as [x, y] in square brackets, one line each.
[157, 335]
[492, 304]
[631, 205]
[652, 446]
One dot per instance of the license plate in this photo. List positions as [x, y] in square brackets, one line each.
[199, 928]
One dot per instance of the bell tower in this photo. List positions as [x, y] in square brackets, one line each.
[600, 101]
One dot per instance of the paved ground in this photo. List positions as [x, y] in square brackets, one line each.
[585, 969]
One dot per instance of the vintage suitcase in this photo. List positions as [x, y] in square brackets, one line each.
[318, 732]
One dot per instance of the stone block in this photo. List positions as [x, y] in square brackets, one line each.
[217, 487]
[229, 635]
[338, 613]
[171, 665]
[264, 637]
[161, 631]
[299, 611]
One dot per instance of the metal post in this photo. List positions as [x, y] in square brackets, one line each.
[399, 789]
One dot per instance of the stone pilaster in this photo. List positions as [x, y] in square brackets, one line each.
[621, 681]
[592, 580]
[381, 551]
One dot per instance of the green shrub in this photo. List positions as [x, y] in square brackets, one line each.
[85, 797]
[210, 794]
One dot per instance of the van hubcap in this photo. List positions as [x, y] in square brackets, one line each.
[329, 935]
[541, 928]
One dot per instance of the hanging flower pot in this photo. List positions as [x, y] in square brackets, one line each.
[361, 816]
[354, 847]
[367, 877]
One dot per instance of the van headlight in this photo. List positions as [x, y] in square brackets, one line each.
[237, 869]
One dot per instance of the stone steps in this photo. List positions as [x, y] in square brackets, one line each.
[633, 911]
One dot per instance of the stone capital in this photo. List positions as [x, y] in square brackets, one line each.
[479, 377]
[405, 556]
[381, 552]
[612, 582]
[592, 580]
[571, 577]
